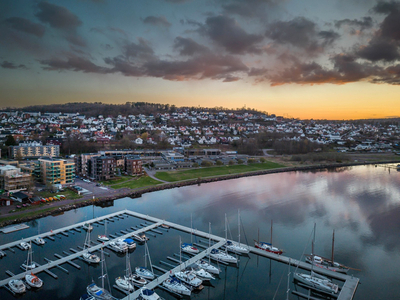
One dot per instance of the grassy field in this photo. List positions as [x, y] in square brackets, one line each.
[69, 195]
[117, 180]
[29, 213]
[215, 171]
[137, 183]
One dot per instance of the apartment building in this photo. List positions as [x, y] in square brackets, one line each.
[82, 165]
[12, 179]
[56, 171]
[102, 167]
[32, 150]
[133, 165]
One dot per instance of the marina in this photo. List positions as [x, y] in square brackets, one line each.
[347, 290]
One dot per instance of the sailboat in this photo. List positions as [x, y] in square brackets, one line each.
[103, 237]
[30, 278]
[267, 246]
[143, 271]
[173, 284]
[39, 240]
[203, 263]
[187, 276]
[326, 263]
[146, 294]
[97, 292]
[123, 282]
[87, 255]
[237, 248]
[315, 281]
[189, 248]
[220, 255]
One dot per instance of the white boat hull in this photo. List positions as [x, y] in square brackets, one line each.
[145, 273]
[124, 284]
[319, 283]
[33, 281]
[17, 286]
[91, 258]
[175, 286]
[208, 267]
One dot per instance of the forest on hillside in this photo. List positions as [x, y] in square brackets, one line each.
[129, 108]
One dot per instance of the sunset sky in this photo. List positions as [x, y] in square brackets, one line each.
[320, 59]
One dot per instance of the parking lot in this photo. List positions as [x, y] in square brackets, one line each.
[96, 190]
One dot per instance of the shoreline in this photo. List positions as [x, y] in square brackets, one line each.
[138, 193]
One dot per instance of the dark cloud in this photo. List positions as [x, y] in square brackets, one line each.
[75, 40]
[301, 33]
[200, 67]
[248, 8]
[57, 16]
[187, 46]
[390, 75]
[121, 65]
[360, 25]
[8, 65]
[345, 69]
[73, 63]
[226, 32]
[379, 49]
[26, 26]
[390, 27]
[231, 78]
[157, 21]
[386, 7]
[141, 50]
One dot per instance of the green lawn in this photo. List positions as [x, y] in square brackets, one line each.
[69, 195]
[137, 183]
[28, 213]
[215, 171]
[117, 180]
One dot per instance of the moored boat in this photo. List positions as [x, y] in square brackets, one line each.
[173, 284]
[326, 263]
[189, 248]
[87, 255]
[207, 266]
[317, 282]
[267, 247]
[144, 272]
[129, 242]
[200, 273]
[25, 245]
[39, 241]
[98, 293]
[136, 279]
[188, 277]
[33, 280]
[222, 256]
[147, 294]
[236, 248]
[118, 246]
[17, 286]
[124, 283]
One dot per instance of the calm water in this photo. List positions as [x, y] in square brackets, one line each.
[362, 205]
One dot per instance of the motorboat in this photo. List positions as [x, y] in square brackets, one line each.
[200, 273]
[317, 282]
[222, 256]
[207, 266]
[87, 226]
[136, 279]
[189, 248]
[144, 272]
[118, 246]
[326, 263]
[124, 283]
[188, 277]
[33, 280]
[267, 247]
[98, 293]
[90, 257]
[131, 244]
[2, 254]
[236, 248]
[146, 294]
[138, 238]
[103, 238]
[173, 284]
[39, 241]
[25, 245]
[17, 286]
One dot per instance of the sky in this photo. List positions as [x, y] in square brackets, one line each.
[319, 59]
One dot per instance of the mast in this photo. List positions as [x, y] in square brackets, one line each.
[333, 243]
[148, 253]
[209, 241]
[271, 232]
[226, 235]
[239, 226]
[102, 268]
[191, 229]
[180, 253]
[288, 282]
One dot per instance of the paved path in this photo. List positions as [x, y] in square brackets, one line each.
[151, 174]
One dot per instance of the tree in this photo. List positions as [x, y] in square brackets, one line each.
[262, 159]
[240, 161]
[219, 163]
[231, 162]
[10, 141]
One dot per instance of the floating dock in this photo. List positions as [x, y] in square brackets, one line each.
[346, 293]
[13, 228]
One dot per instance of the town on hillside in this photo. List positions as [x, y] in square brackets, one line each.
[50, 154]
